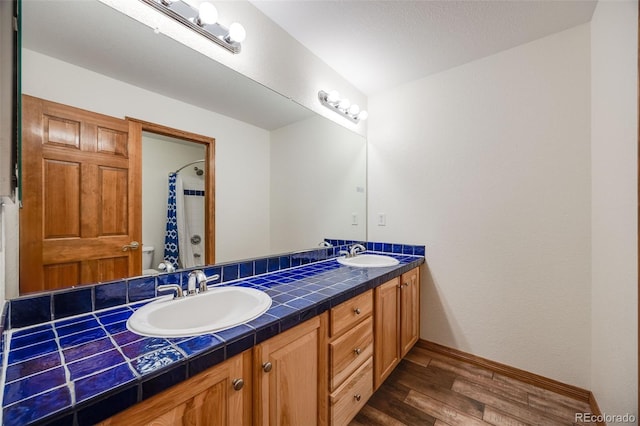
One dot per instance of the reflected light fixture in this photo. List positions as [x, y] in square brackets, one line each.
[342, 106]
[203, 20]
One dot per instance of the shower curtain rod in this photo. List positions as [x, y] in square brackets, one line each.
[190, 164]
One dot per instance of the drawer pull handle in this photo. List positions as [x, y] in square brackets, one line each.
[238, 384]
[357, 397]
[357, 311]
[357, 351]
[266, 367]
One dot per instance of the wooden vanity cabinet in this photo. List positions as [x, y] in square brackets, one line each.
[350, 349]
[287, 377]
[396, 322]
[409, 310]
[219, 396]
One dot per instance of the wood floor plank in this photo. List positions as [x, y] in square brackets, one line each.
[554, 407]
[370, 416]
[499, 418]
[418, 356]
[520, 411]
[446, 396]
[432, 389]
[392, 403]
[504, 389]
[462, 369]
[581, 406]
[418, 374]
[441, 411]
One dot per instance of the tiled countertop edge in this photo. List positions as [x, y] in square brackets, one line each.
[120, 398]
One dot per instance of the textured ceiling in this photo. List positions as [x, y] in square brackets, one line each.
[377, 45]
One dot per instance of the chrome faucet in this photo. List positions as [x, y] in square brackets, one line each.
[198, 281]
[357, 248]
[167, 266]
[196, 277]
[325, 244]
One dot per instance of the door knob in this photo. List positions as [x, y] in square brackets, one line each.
[357, 397]
[357, 351]
[266, 367]
[357, 311]
[133, 245]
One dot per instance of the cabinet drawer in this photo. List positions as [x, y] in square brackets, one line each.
[349, 351]
[352, 395]
[351, 312]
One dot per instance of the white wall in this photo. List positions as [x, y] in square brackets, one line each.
[318, 181]
[614, 127]
[242, 150]
[488, 165]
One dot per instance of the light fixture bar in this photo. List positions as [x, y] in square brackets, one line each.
[342, 106]
[187, 16]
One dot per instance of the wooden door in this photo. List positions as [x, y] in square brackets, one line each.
[387, 326]
[78, 196]
[286, 377]
[409, 310]
[212, 398]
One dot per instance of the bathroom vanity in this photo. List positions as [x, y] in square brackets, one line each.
[315, 357]
[319, 372]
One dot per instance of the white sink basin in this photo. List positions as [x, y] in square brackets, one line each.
[217, 309]
[368, 261]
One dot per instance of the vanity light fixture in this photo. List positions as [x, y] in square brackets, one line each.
[203, 20]
[342, 106]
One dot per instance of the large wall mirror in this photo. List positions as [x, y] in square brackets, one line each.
[285, 178]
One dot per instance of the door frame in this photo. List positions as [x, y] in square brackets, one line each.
[136, 127]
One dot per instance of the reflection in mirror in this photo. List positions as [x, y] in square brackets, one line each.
[285, 178]
[173, 205]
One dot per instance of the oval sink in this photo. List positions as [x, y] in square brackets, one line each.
[368, 261]
[217, 309]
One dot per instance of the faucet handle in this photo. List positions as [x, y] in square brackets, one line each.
[203, 284]
[171, 287]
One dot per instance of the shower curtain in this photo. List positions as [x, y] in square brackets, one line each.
[171, 251]
[179, 247]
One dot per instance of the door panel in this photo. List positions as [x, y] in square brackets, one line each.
[78, 208]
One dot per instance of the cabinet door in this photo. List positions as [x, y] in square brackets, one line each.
[409, 310]
[387, 327]
[207, 399]
[286, 377]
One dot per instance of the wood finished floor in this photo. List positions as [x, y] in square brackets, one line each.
[432, 389]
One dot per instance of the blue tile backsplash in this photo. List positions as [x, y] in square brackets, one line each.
[85, 366]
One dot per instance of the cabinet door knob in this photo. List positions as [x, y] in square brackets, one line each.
[357, 351]
[357, 311]
[237, 384]
[357, 397]
[267, 366]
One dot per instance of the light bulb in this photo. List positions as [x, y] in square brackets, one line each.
[344, 104]
[363, 115]
[236, 33]
[354, 110]
[207, 14]
[333, 97]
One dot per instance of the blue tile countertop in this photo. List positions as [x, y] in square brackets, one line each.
[86, 368]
